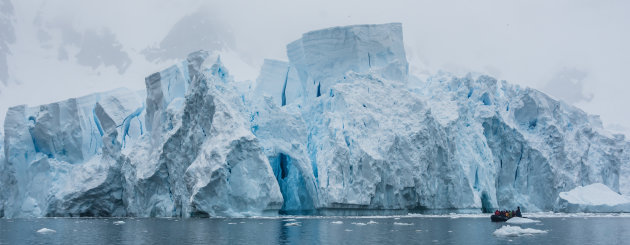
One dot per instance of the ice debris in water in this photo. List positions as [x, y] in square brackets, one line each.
[401, 223]
[338, 222]
[519, 220]
[509, 230]
[593, 198]
[372, 222]
[292, 224]
[594, 194]
[45, 231]
[120, 222]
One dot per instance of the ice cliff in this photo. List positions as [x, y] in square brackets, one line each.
[185, 150]
[339, 128]
[199, 157]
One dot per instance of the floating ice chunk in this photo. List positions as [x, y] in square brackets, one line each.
[45, 231]
[593, 198]
[509, 230]
[292, 224]
[401, 223]
[338, 222]
[359, 223]
[594, 194]
[372, 222]
[518, 220]
[120, 222]
[289, 220]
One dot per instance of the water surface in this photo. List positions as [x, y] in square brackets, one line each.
[312, 230]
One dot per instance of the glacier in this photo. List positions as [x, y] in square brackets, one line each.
[341, 127]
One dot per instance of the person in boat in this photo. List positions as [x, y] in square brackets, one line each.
[517, 213]
[496, 212]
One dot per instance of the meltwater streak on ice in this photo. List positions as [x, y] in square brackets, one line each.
[338, 129]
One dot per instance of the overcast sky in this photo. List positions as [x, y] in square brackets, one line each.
[573, 50]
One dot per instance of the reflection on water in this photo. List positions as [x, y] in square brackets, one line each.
[311, 230]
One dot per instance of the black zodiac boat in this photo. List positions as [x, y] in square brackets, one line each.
[498, 218]
[505, 215]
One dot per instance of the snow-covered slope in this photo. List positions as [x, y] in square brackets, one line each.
[339, 128]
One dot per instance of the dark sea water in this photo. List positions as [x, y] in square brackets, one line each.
[313, 230]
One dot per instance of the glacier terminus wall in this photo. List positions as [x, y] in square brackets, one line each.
[339, 128]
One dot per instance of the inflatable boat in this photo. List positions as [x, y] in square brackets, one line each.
[498, 218]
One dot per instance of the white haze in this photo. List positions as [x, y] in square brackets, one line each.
[576, 51]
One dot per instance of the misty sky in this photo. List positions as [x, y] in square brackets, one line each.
[576, 51]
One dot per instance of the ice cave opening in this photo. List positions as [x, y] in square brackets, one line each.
[297, 200]
[486, 205]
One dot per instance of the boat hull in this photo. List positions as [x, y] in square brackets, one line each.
[498, 218]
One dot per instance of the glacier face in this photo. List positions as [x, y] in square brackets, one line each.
[3, 177]
[187, 150]
[379, 141]
[538, 146]
[200, 158]
[341, 128]
[323, 57]
[54, 155]
[275, 74]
